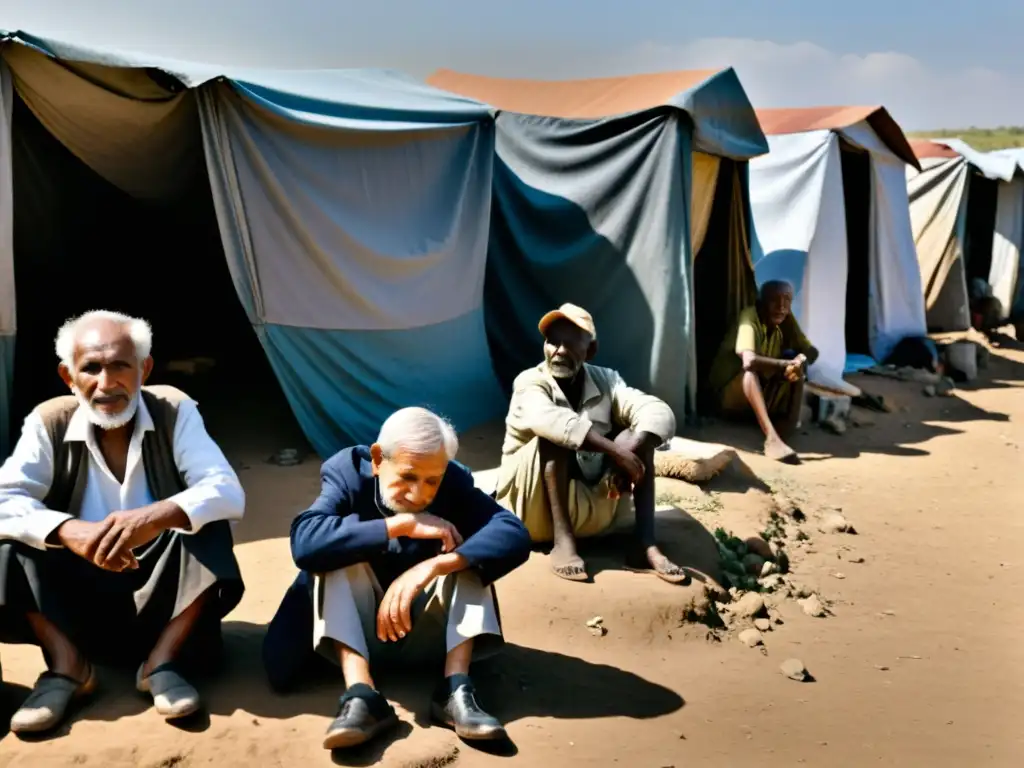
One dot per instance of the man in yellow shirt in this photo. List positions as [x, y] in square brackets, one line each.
[761, 367]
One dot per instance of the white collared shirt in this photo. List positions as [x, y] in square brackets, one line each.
[213, 493]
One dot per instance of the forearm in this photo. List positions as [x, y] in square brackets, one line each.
[769, 366]
[448, 563]
[595, 441]
[165, 515]
[811, 354]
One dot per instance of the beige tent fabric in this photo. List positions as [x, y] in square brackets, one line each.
[705, 182]
[742, 284]
[7, 308]
[936, 194]
[137, 135]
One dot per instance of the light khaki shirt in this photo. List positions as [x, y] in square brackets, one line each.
[539, 408]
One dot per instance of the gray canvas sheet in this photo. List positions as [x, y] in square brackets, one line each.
[347, 229]
[595, 213]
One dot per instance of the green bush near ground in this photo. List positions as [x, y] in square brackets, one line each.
[982, 139]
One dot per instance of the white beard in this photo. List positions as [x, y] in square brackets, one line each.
[108, 421]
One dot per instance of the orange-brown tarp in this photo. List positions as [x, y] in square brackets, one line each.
[779, 121]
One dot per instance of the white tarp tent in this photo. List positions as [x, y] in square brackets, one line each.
[831, 215]
[967, 209]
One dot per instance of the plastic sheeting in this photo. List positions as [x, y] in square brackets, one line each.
[705, 183]
[1005, 276]
[595, 212]
[799, 212]
[360, 258]
[358, 313]
[138, 135]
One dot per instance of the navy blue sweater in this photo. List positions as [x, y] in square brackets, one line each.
[345, 526]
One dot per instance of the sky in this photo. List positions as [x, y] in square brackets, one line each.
[933, 64]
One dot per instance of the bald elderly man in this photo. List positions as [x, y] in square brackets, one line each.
[397, 557]
[115, 540]
[578, 455]
[761, 367]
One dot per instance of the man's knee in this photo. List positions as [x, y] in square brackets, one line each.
[554, 458]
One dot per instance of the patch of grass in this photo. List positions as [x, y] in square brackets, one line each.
[982, 139]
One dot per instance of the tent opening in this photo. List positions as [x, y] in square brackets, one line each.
[723, 277]
[81, 243]
[856, 170]
[982, 197]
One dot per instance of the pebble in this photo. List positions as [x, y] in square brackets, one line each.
[751, 638]
[881, 667]
[772, 582]
[597, 621]
[812, 606]
[762, 625]
[836, 523]
[929, 391]
[768, 569]
[794, 669]
[858, 560]
[750, 606]
[838, 575]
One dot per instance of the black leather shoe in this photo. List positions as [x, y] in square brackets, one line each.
[454, 705]
[362, 714]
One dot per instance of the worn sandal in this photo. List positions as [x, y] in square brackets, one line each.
[173, 696]
[46, 706]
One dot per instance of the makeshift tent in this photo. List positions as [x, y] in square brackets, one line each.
[352, 208]
[604, 190]
[831, 216]
[968, 213]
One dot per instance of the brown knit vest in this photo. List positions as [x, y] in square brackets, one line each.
[70, 469]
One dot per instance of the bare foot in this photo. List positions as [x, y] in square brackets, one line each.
[652, 560]
[775, 449]
[567, 564]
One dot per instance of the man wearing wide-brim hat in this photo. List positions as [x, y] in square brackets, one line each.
[578, 456]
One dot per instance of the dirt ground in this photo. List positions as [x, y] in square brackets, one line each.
[921, 661]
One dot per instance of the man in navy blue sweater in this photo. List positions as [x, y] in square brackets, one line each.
[397, 555]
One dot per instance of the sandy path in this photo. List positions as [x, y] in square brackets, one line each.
[934, 492]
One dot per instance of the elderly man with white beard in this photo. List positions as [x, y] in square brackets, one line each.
[398, 554]
[115, 537]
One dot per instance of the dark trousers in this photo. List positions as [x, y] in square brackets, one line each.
[116, 618]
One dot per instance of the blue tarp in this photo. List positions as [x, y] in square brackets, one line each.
[353, 207]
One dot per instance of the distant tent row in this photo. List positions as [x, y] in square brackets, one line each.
[382, 249]
[967, 209]
[830, 214]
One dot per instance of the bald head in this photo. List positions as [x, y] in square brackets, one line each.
[775, 301]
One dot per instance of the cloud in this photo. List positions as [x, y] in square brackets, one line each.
[805, 74]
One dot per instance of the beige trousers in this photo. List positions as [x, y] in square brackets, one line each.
[450, 611]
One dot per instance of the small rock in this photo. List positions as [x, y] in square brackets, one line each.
[858, 560]
[751, 638]
[768, 569]
[788, 508]
[838, 575]
[598, 631]
[812, 606]
[759, 547]
[772, 582]
[836, 523]
[753, 564]
[794, 669]
[889, 612]
[762, 625]
[597, 621]
[929, 391]
[861, 419]
[945, 387]
[881, 667]
[835, 425]
[750, 606]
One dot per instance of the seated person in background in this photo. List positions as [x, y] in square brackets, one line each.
[578, 456]
[115, 543]
[397, 557]
[761, 367]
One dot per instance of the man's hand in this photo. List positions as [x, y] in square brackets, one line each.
[394, 617]
[424, 526]
[127, 531]
[795, 370]
[629, 463]
[83, 538]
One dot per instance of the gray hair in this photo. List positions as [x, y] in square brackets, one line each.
[419, 431]
[771, 287]
[67, 336]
